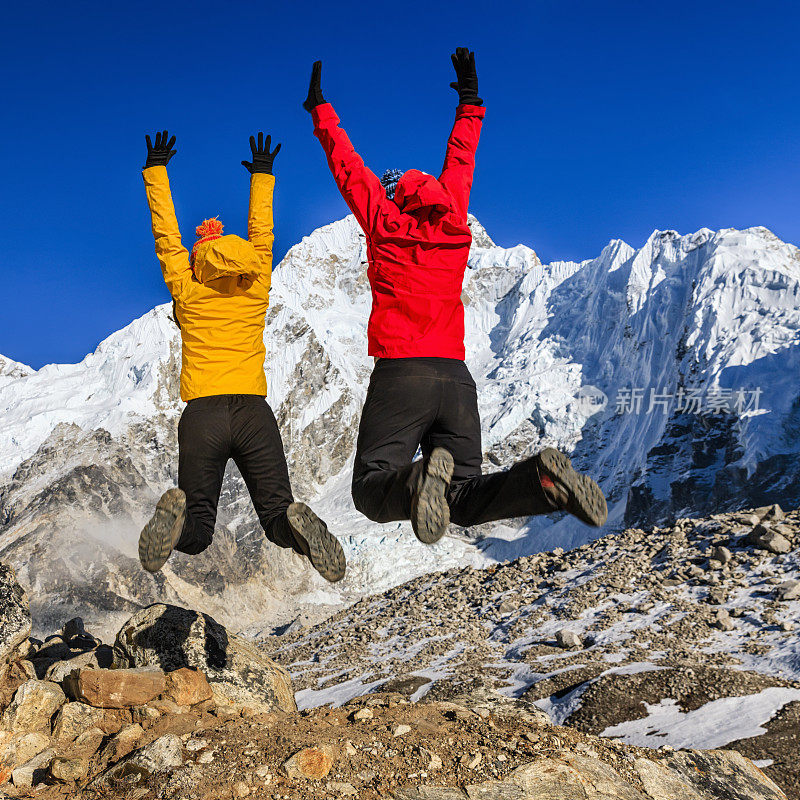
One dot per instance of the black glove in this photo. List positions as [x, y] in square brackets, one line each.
[467, 83]
[315, 97]
[262, 158]
[160, 154]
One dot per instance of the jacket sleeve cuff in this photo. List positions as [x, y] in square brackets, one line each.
[466, 110]
[267, 178]
[324, 113]
[153, 175]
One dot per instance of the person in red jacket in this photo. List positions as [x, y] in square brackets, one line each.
[421, 394]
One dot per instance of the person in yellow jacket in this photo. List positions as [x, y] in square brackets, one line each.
[220, 295]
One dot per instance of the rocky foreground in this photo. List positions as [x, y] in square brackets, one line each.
[684, 635]
[672, 643]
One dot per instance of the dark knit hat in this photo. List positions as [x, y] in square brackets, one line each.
[389, 181]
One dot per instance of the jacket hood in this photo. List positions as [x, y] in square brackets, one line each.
[416, 190]
[226, 257]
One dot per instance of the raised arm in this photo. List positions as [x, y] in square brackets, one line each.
[360, 187]
[262, 183]
[459, 161]
[172, 255]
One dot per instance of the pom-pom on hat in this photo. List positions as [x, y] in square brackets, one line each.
[207, 231]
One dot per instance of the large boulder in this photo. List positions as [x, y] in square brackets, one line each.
[170, 638]
[115, 688]
[15, 615]
[723, 773]
[161, 755]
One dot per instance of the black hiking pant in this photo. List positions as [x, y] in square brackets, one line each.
[242, 427]
[432, 402]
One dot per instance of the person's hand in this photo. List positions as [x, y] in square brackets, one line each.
[262, 158]
[159, 154]
[315, 97]
[467, 83]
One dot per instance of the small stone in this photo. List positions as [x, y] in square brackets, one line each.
[787, 626]
[146, 715]
[264, 773]
[161, 754]
[434, 761]
[400, 730]
[721, 554]
[312, 763]
[723, 621]
[187, 687]
[363, 714]
[193, 745]
[342, 789]
[90, 740]
[166, 706]
[206, 757]
[65, 769]
[714, 563]
[116, 688]
[568, 639]
[789, 590]
[349, 748]
[123, 743]
[32, 771]
[765, 538]
[241, 789]
[73, 719]
[33, 707]
[471, 761]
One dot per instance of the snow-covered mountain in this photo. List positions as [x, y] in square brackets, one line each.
[560, 354]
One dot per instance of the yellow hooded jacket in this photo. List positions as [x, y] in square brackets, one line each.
[221, 303]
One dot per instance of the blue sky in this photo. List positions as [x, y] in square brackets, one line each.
[604, 120]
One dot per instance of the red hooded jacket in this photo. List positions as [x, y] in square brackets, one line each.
[417, 244]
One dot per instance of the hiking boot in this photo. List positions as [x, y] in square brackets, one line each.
[430, 512]
[159, 537]
[570, 491]
[316, 542]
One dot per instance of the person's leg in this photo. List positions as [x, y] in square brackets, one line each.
[204, 447]
[258, 452]
[184, 518]
[473, 497]
[257, 449]
[402, 401]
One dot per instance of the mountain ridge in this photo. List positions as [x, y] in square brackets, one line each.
[86, 449]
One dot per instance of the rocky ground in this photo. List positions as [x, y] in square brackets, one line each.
[496, 684]
[684, 635]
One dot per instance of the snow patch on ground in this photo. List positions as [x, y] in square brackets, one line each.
[713, 725]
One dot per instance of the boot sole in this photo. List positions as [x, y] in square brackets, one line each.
[586, 500]
[431, 513]
[160, 535]
[325, 552]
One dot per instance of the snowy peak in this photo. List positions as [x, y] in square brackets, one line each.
[596, 358]
[11, 370]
